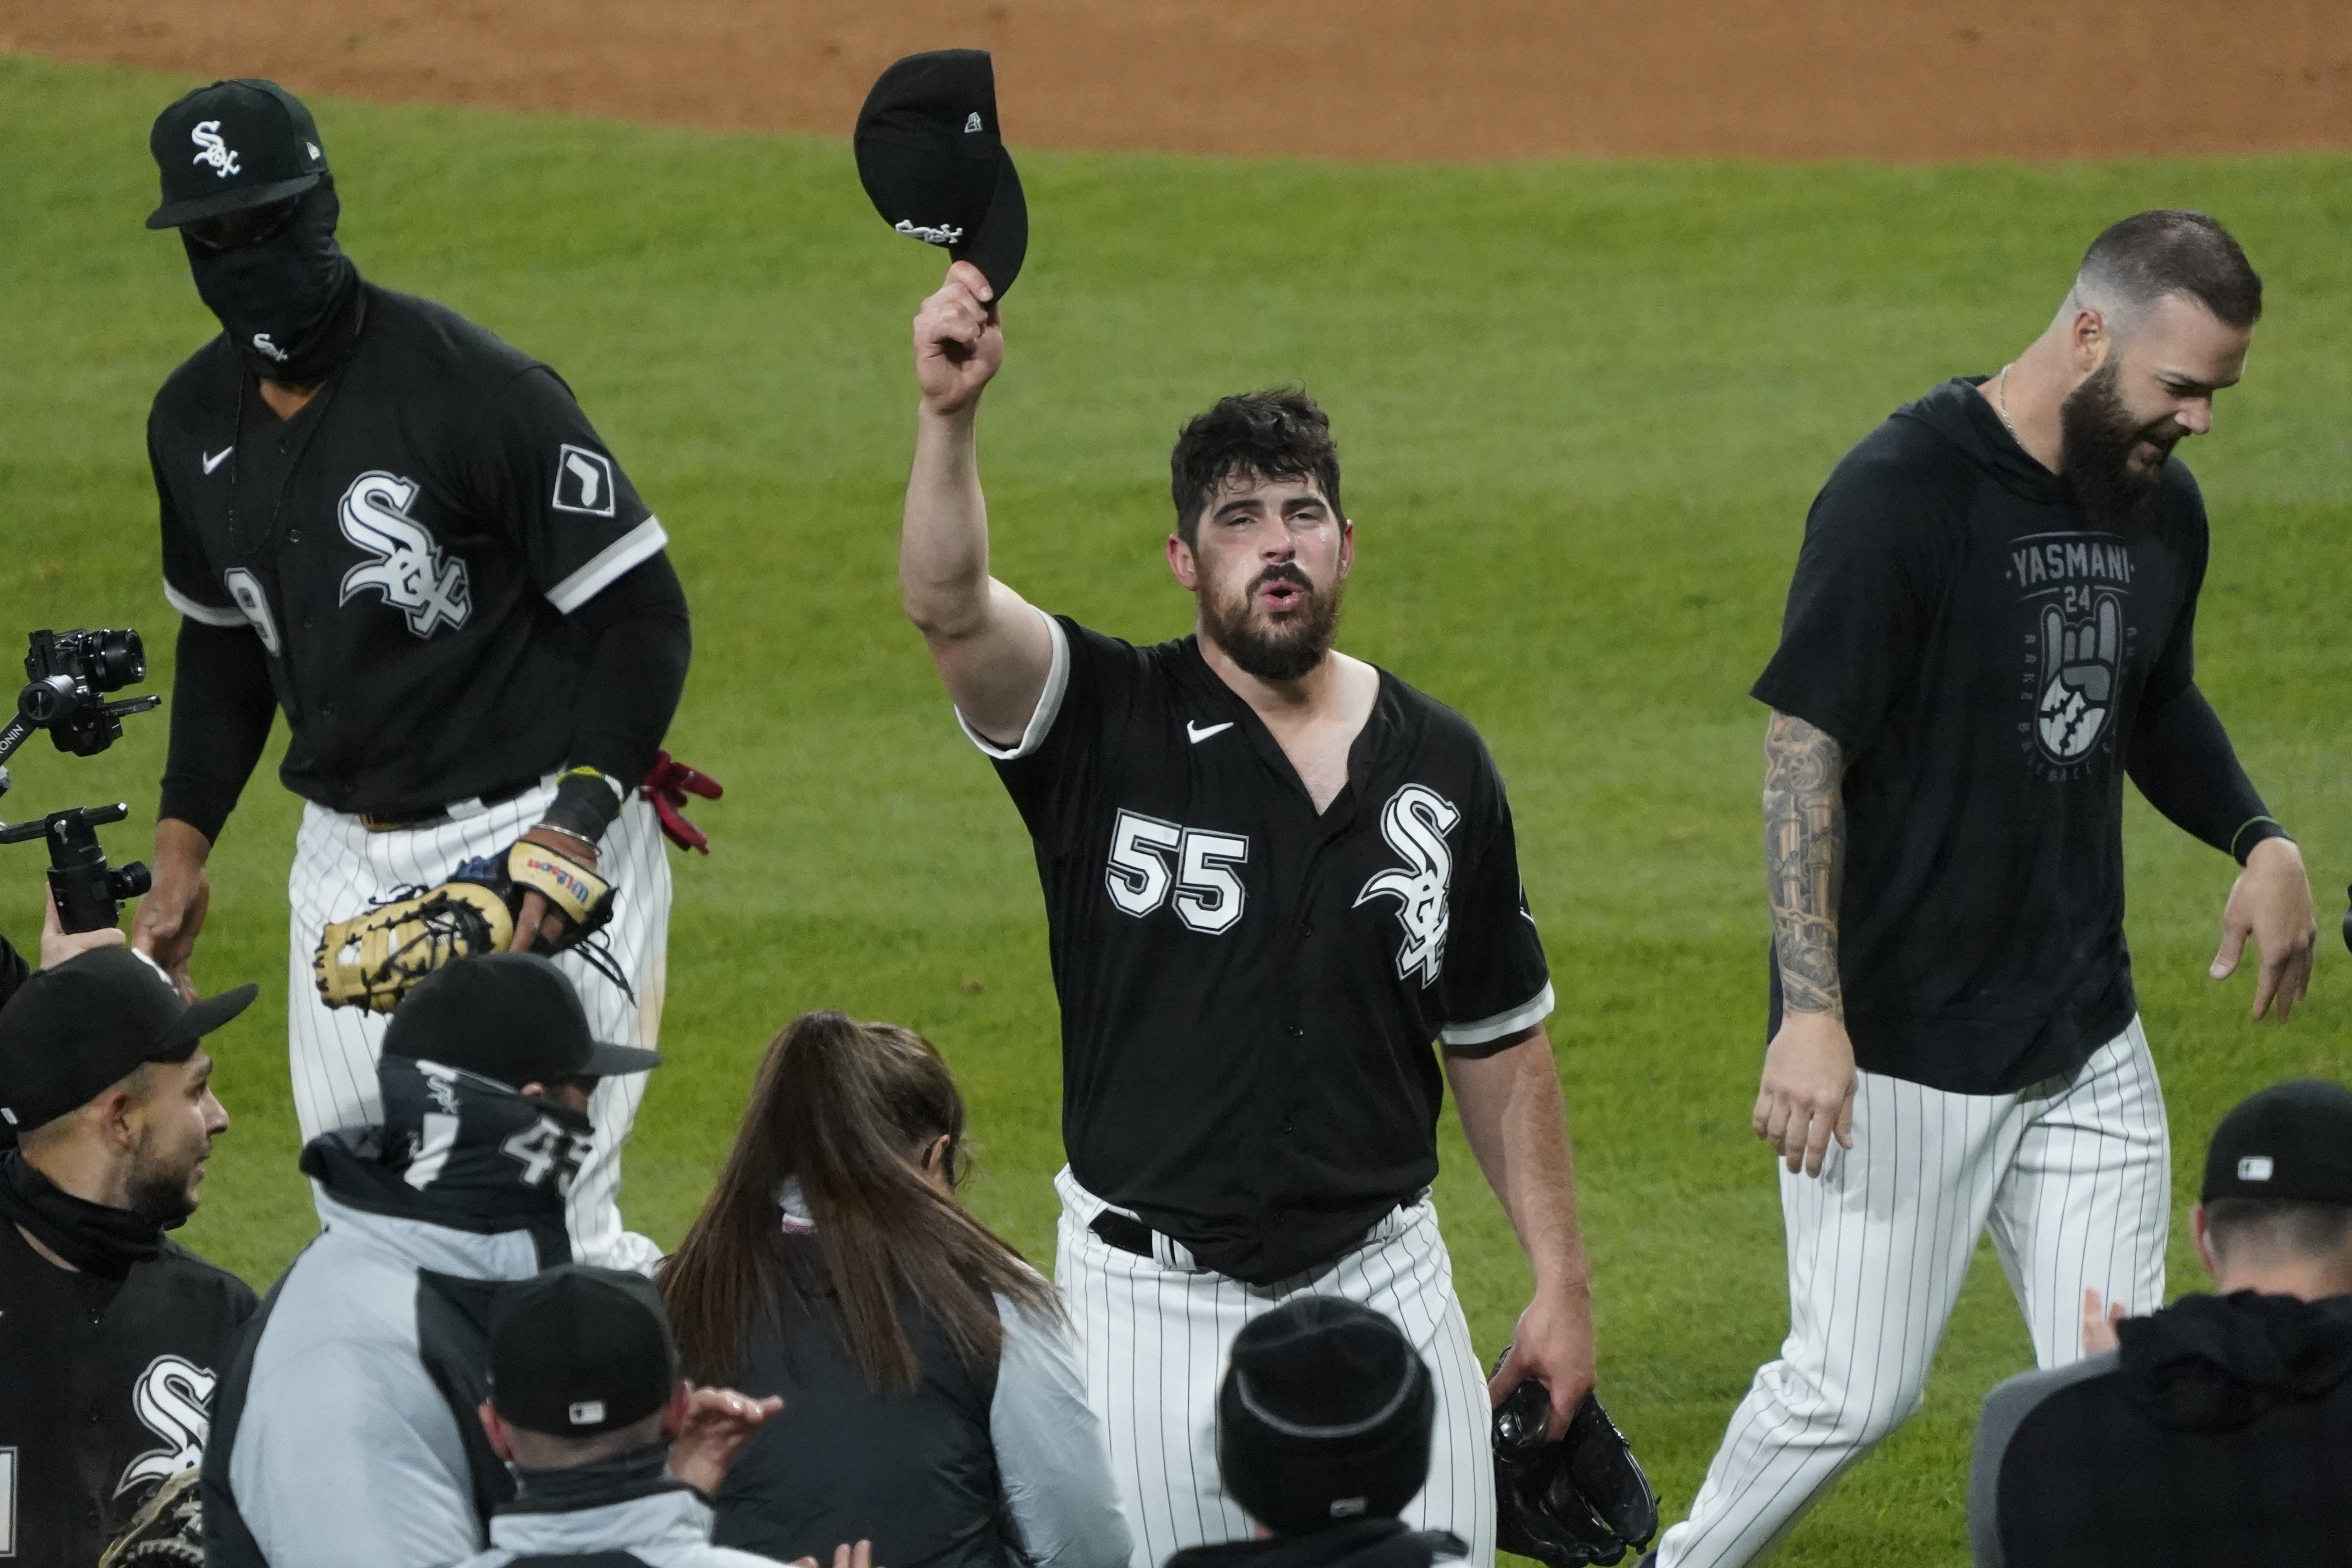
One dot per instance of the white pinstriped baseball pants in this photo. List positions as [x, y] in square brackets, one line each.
[2072, 1177]
[1156, 1332]
[341, 867]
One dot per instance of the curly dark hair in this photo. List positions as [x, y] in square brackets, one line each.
[1279, 434]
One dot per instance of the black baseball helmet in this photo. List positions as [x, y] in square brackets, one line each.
[1581, 1500]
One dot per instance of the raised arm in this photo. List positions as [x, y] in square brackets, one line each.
[1807, 1096]
[993, 648]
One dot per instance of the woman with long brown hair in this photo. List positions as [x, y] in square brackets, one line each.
[932, 1401]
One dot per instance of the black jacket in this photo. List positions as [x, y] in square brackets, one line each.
[2220, 1430]
[1000, 1466]
[105, 1385]
[1365, 1543]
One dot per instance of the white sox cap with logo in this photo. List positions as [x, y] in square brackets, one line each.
[233, 145]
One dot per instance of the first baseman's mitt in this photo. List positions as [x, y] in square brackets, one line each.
[1581, 1500]
[373, 958]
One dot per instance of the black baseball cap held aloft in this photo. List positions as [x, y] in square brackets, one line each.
[577, 1350]
[931, 155]
[512, 1017]
[71, 1031]
[2291, 1141]
[233, 145]
[1325, 1416]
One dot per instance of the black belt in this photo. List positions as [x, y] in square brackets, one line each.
[434, 815]
[1131, 1235]
[1123, 1231]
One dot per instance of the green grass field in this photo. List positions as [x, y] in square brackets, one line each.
[1583, 408]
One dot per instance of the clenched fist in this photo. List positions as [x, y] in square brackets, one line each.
[959, 342]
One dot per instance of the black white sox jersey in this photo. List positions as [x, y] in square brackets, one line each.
[105, 1389]
[406, 547]
[1249, 990]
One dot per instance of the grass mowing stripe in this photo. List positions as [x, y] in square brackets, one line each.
[1583, 408]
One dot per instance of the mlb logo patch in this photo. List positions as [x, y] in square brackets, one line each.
[2255, 1168]
[583, 481]
[587, 1412]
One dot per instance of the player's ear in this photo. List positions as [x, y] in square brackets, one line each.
[2198, 1232]
[1183, 564]
[495, 1431]
[2091, 339]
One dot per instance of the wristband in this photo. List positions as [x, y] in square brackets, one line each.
[2261, 827]
[585, 803]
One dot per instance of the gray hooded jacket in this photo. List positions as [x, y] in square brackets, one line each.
[345, 1429]
[670, 1529]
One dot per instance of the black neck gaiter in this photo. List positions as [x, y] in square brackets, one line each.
[621, 1479]
[289, 304]
[93, 1238]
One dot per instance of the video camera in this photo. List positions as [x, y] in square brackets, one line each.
[67, 675]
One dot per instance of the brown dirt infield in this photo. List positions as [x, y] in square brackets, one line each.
[1345, 79]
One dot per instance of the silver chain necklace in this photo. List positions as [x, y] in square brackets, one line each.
[2002, 406]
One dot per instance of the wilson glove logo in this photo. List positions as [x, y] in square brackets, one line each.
[1416, 822]
[211, 149]
[409, 570]
[174, 1399]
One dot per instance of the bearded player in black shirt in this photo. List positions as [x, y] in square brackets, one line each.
[111, 1334]
[1275, 875]
[404, 534]
[1991, 626]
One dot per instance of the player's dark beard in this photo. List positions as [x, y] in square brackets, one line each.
[1282, 651]
[2097, 437]
[158, 1190]
[288, 302]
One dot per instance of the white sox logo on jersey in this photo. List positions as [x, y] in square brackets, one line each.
[1416, 822]
[173, 1398]
[410, 571]
[211, 149]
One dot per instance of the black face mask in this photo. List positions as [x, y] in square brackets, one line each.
[92, 1237]
[288, 302]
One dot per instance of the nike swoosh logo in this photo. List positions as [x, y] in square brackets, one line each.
[217, 458]
[1194, 733]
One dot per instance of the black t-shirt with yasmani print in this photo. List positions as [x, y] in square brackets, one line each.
[1981, 649]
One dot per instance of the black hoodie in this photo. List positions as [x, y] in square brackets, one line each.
[1362, 1544]
[2221, 1431]
[1988, 657]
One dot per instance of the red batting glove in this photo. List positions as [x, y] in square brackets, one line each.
[666, 784]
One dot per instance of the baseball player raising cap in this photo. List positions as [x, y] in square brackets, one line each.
[403, 533]
[1279, 878]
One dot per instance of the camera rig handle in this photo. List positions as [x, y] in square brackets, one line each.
[89, 892]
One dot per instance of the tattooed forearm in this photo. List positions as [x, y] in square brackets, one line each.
[1804, 855]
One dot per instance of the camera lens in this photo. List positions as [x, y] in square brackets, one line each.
[121, 658]
[43, 702]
